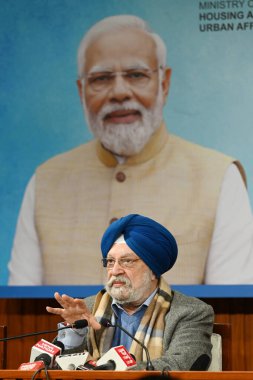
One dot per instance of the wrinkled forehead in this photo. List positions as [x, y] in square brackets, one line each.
[121, 50]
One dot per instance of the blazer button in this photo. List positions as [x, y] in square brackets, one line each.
[120, 177]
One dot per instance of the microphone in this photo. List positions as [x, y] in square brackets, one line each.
[72, 361]
[46, 351]
[43, 355]
[89, 365]
[106, 323]
[117, 358]
[46, 359]
[109, 366]
[80, 324]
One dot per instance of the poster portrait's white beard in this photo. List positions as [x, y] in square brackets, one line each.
[125, 139]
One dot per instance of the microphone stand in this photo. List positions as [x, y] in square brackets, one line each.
[77, 324]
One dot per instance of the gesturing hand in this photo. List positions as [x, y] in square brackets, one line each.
[73, 309]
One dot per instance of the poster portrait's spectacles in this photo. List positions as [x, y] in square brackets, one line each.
[105, 80]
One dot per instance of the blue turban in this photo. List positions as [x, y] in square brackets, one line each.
[151, 241]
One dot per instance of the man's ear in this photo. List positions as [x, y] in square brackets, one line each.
[166, 82]
[80, 89]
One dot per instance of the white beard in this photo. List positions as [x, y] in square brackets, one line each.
[126, 139]
[126, 294]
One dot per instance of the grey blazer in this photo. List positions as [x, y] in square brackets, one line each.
[187, 335]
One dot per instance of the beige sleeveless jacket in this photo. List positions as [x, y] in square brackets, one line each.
[79, 192]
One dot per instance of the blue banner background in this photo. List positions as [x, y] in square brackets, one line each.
[210, 100]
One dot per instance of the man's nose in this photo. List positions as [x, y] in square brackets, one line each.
[120, 90]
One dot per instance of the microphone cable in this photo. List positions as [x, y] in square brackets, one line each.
[38, 371]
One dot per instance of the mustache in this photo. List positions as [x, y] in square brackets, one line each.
[118, 278]
[128, 105]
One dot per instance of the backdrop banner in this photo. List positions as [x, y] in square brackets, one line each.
[210, 101]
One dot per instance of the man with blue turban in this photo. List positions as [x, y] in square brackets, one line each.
[176, 329]
[152, 242]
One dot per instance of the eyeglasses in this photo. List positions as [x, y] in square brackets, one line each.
[124, 263]
[137, 78]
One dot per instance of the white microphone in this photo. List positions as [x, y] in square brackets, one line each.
[45, 351]
[43, 355]
[107, 323]
[117, 358]
[72, 361]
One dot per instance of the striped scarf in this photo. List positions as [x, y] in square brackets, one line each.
[150, 331]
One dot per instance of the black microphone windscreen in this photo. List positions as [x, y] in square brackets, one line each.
[105, 322]
[86, 366]
[45, 358]
[59, 344]
[80, 324]
[109, 366]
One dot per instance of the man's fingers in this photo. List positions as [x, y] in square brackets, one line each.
[72, 309]
[81, 305]
[59, 298]
[67, 298]
[63, 300]
[54, 310]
